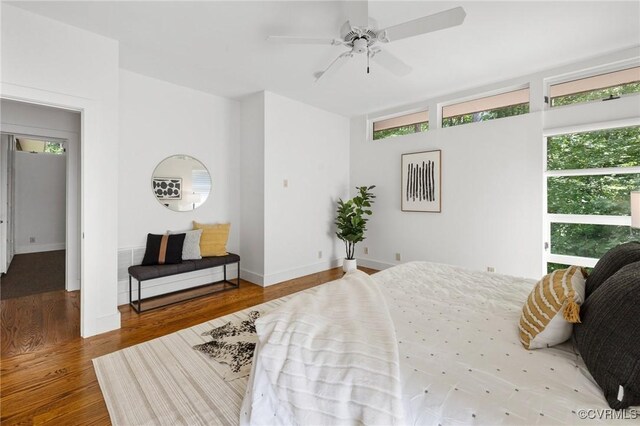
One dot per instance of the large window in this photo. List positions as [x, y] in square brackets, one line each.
[606, 86]
[589, 177]
[488, 108]
[402, 125]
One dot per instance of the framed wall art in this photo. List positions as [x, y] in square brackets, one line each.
[421, 182]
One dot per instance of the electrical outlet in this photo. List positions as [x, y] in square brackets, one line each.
[285, 183]
[366, 250]
[398, 257]
[32, 239]
[491, 269]
[319, 254]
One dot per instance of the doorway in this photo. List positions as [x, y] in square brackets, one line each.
[35, 212]
[40, 218]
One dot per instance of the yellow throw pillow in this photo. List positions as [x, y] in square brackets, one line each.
[552, 308]
[213, 241]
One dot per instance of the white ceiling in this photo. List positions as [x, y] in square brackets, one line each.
[220, 47]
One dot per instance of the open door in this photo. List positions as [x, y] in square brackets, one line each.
[7, 198]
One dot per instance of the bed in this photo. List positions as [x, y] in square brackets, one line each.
[460, 359]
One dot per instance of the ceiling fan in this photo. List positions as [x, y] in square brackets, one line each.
[361, 35]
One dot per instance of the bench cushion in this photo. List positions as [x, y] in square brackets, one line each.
[210, 262]
[143, 273]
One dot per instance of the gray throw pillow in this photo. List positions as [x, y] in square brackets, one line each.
[191, 247]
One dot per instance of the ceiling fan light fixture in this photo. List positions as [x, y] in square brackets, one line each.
[360, 45]
[361, 33]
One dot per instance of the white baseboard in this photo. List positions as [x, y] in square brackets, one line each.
[375, 264]
[106, 323]
[252, 277]
[281, 276]
[37, 248]
[172, 283]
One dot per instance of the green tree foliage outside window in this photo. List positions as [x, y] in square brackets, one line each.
[491, 114]
[53, 148]
[590, 150]
[555, 266]
[591, 194]
[595, 95]
[587, 240]
[402, 130]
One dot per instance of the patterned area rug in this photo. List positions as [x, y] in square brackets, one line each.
[166, 382]
[233, 344]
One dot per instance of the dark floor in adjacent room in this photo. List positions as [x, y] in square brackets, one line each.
[33, 273]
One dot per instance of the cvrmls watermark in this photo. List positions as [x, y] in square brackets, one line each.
[608, 414]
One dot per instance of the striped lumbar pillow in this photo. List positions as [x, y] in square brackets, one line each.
[552, 308]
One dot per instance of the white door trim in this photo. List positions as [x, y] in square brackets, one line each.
[90, 322]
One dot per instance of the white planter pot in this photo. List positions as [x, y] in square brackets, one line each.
[349, 265]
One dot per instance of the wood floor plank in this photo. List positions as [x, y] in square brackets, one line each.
[46, 373]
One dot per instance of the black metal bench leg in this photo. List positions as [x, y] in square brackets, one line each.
[225, 272]
[238, 278]
[129, 289]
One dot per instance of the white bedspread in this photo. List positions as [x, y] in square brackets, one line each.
[460, 358]
[327, 357]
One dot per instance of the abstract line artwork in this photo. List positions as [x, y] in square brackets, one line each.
[167, 188]
[421, 181]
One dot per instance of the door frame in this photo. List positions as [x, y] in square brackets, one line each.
[90, 134]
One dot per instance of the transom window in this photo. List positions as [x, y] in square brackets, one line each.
[611, 85]
[402, 125]
[39, 146]
[487, 108]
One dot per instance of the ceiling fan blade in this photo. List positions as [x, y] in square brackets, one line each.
[304, 40]
[436, 22]
[358, 13]
[391, 62]
[334, 66]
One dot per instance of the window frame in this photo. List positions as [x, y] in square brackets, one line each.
[549, 218]
[587, 73]
[62, 142]
[377, 118]
[483, 95]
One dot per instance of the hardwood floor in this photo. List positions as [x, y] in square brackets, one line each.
[46, 373]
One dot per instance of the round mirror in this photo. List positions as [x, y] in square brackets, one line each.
[181, 183]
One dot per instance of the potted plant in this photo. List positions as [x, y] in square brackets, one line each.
[352, 222]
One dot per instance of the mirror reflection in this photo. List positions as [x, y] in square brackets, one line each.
[181, 183]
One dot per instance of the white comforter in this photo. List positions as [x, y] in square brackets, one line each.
[460, 358]
[330, 357]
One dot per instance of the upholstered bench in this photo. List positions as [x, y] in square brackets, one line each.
[145, 273]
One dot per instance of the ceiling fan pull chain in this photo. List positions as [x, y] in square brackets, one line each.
[368, 56]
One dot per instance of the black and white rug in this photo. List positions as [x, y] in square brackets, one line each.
[166, 382]
[233, 344]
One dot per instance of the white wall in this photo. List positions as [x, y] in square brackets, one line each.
[40, 202]
[252, 204]
[284, 229]
[309, 148]
[158, 120]
[55, 63]
[491, 196]
[492, 178]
